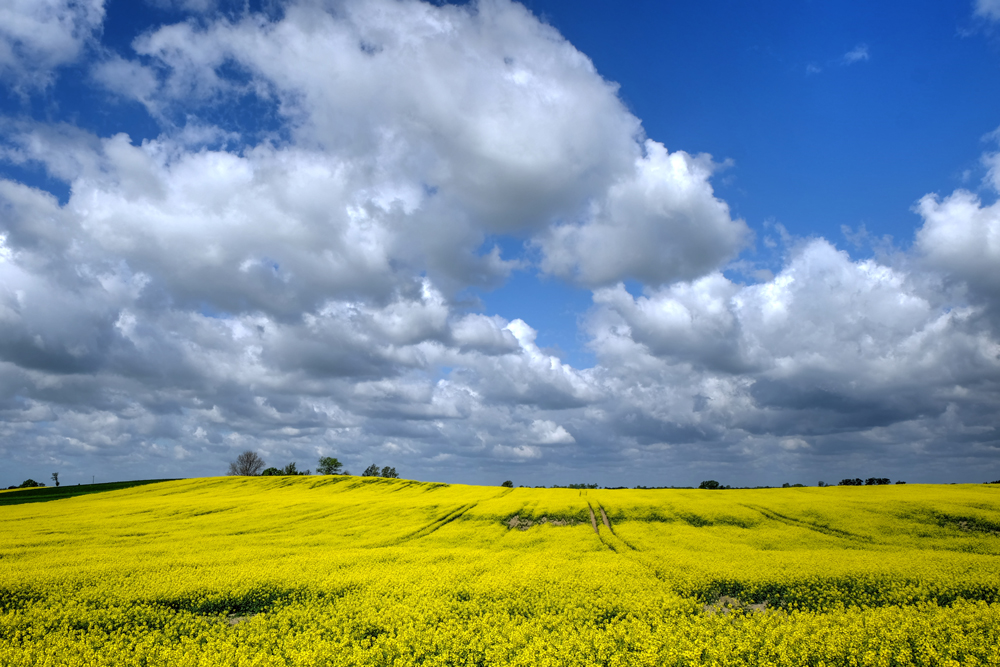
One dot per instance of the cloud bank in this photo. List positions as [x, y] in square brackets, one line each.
[37, 36]
[285, 268]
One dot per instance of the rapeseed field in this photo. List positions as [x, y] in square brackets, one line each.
[368, 571]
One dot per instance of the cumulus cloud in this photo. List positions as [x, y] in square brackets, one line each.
[38, 36]
[856, 334]
[658, 224]
[128, 78]
[546, 432]
[296, 280]
[961, 236]
[829, 346]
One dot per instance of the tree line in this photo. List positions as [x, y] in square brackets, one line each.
[856, 481]
[251, 464]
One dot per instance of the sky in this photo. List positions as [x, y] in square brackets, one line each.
[636, 243]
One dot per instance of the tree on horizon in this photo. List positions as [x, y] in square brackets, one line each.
[247, 464]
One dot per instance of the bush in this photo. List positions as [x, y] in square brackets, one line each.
[508, 484]
[857, 481]
[29, 484]
[290, 469]
[374, 471]
[709, 484]
[876, 481]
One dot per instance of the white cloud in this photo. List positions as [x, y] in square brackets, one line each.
[829, 344]
[297, 287]
[37, 36]
[482, 121]
[856, 55]
[792, 444]
[962, 237]
[127, 78]
[659, 224]
[546, 432]
[988, 9]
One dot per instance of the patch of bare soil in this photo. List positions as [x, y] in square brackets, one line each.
[604, 516]
[973, 527]
[524, 524]
[726, 604]
[236, 620]
[593, 519]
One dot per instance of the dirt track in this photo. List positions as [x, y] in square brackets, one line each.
[604, 516]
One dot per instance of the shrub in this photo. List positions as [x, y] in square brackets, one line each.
[709, 484]
[857, 481]
[29, 484]
[508, 484]
[290, 469]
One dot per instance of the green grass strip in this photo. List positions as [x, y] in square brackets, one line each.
[47, 493]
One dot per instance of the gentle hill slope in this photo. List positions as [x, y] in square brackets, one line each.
[47, 493]
[374, 556]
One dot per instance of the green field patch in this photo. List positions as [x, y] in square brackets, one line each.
[47, 493]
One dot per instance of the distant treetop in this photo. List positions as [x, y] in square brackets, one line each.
[249, 463]
[329, 465]
[374, 471]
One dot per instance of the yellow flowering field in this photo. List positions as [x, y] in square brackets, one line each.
[368, 571]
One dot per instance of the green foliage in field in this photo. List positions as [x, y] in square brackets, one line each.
[375, 571]
[46, 493]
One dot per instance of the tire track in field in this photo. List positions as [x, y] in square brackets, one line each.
[798, 523]
[604, 516]
[607, 524]
[424, 531]
[611, 542]
[593, 522]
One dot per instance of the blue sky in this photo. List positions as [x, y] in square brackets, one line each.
[650, 243]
